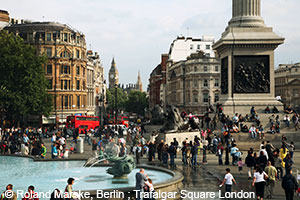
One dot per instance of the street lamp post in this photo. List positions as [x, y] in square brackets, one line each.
[209, 98]
[116, 102]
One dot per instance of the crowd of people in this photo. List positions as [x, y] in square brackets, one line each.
[264, 167]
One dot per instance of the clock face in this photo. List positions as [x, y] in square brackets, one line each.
[111, 76]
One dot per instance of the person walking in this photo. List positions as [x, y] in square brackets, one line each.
[43, 150]
[140, 179]
[172, 153]
[259, 182]
[228, 181]
[288, 162]
[270, 184]
[220, 153]
[251, 163]
[289, 184]
[194, 151]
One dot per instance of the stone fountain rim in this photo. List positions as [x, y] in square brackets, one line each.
[177, 176]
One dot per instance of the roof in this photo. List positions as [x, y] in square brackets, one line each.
[39, 27]
[3, 11]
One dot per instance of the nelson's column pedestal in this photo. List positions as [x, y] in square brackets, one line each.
[246, 49]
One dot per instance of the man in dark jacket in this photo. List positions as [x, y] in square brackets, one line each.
[250, 162]
[289, 184]
[172, 153]
[140, 179]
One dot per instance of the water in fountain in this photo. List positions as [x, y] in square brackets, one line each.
[99, 161]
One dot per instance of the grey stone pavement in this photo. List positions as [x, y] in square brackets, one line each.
[202, 178]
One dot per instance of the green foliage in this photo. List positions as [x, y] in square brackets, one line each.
[137, 102]
[22, 81]
[122, 98]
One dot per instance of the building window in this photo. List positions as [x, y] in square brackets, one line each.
[30, 37]
[61, 84]
[205, 83]
[77, 54]
[216, 68]
[65, 69]
[195, 96]
[48, 37]
[205, 97]
[78, 84]
[207, 46]
[216, 97]
[198, 46]
[216, 82]
[195, 68]
[49, 69]
[195, 83]
[205, 68]
[49, 84]
[49, 52]
[66, 101]
[83, 72]
[65, 37]
[66, 84]
[78, 101]
[191, 47]
[207, 54]
[77, 70]
[62, 101]
[65, 54]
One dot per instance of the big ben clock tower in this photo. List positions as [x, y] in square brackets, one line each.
[113, 75]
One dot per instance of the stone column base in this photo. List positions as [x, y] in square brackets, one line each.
[243, 106]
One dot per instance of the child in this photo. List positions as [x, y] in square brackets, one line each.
[149, 188]
[240, 165]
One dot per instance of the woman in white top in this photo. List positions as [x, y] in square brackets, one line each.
[149, 188]
[259, 182]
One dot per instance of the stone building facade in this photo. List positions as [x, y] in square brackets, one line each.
[157, 82]
[4, 19]
[67, 64]
[194, 84]
[287, 84]
[95, 83]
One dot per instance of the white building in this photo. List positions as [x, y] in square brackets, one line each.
[183, 47]
[95, 83]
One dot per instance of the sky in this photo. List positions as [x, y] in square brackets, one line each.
[137, 32]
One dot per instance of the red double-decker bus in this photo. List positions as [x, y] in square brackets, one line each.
[121, 120]
[82, 122]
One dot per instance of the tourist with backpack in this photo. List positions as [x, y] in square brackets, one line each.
[289, 184]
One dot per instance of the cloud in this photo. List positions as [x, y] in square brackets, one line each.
[136, 32]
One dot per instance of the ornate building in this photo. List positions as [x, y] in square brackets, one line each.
[193, 84]
[95, 83]
[113, 75]
[67, 64]
[4, 19]
[287, 84]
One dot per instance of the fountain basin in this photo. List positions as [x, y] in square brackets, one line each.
[48, 175]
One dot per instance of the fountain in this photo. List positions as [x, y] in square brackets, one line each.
[91, 176]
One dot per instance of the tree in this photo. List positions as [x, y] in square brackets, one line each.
[23, 86]
[121, 98]
[137, 102]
